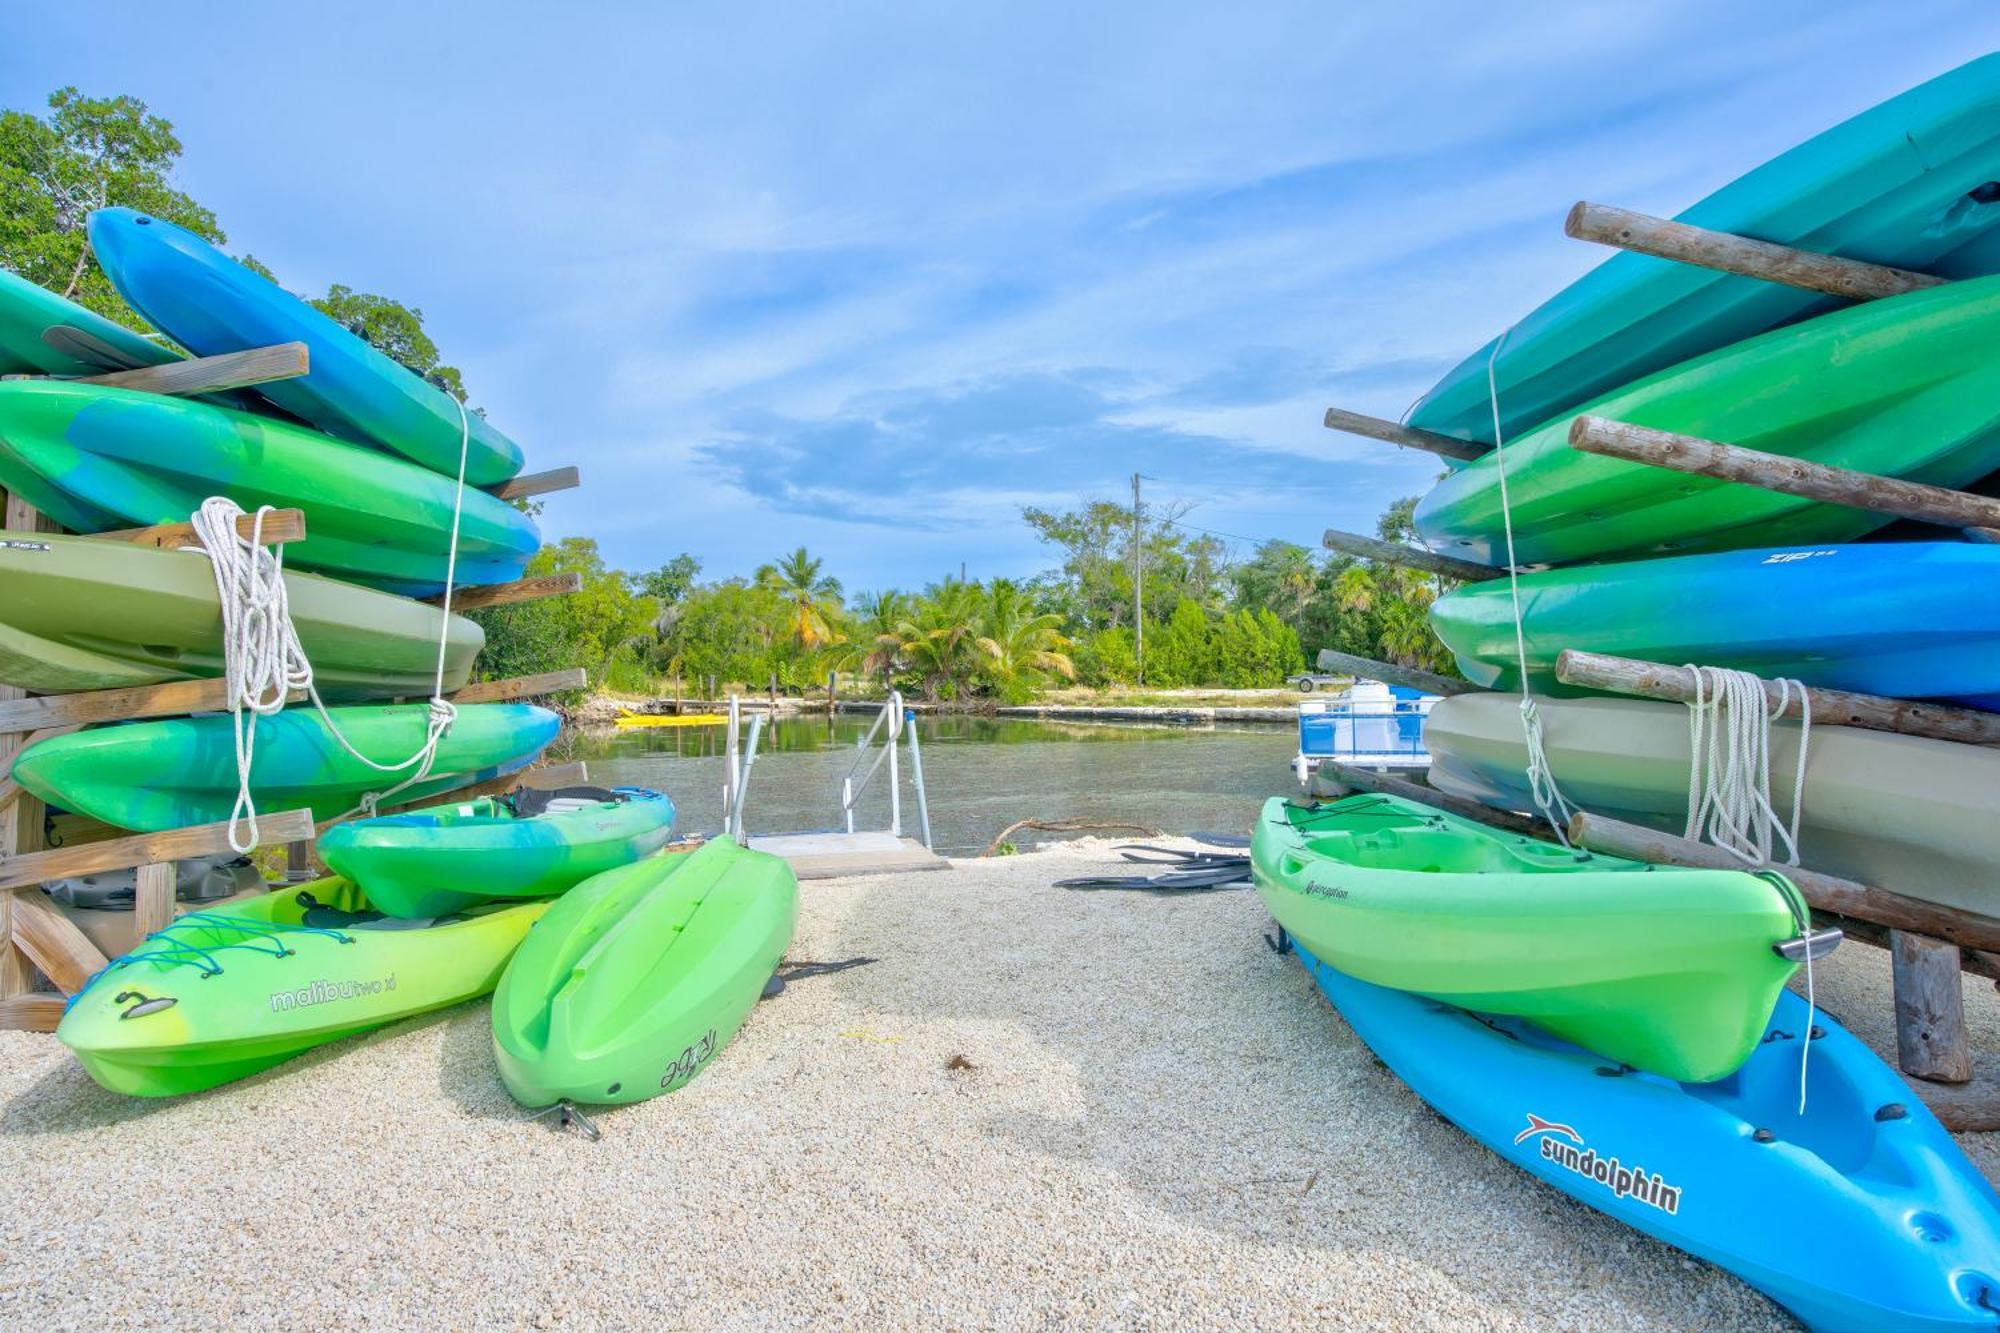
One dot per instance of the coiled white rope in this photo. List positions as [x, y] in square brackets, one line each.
[264, 663]
[1542, 786]
[1729, 769]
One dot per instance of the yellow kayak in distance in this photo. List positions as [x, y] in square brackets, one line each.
[627, 720]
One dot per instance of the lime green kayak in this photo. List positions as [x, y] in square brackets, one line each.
[87, 614]
[638, 976]
[179, 771]
[531, 844]
[225, 994]
[1902, 387]
[1666, 969]
[42, 333]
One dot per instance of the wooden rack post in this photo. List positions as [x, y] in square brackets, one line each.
[1720, 250]
[1414, 557]
[1789, 476]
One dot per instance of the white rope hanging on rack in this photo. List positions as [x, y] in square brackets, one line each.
[1542, 788]
[264, 663]
[1729, 770]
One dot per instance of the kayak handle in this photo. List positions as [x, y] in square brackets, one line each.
[1814, 945]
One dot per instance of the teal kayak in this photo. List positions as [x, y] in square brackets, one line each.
[42, 333]
[211, 304]
[1902, 387]
[96, 459]
[178, 771]
[1914, 182]
[637, 977]
[532, 844]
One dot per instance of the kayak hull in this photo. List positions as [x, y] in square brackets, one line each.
[640, 975]
[1894, 185]
[224, 994]
[174, 772]
[1900, 387]
[211, 304]
[42, 333]
[80, 614]
[446, 858]
[1885, 1224]
[1902, 812]
[96, 459]
[1667, 969]
[1910, 620]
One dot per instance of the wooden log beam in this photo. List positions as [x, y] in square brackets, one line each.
[31, 1013]
[1864, 902]
[1407, 437]
[1930, 1008]
[280, 526]
[1837, 708]
[537, 483]
[143, 848]
[54, 943]
[1644, 234]
[1363, 779]
[1788, 476]
[522, 687]
[1415, 678]
[212, 374]
[521, 590]
[1415, 557]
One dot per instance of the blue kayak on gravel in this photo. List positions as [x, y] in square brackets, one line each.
[1861, 1214]
[210, 304]
[1912, 620]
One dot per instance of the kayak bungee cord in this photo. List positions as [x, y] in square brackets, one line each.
[1542, 786]
[264, 662]
[177, 951]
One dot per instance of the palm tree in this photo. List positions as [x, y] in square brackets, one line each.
[1017, 642]
[812, 601]
[936, 638]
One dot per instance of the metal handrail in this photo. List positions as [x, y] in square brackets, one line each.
[894, 718]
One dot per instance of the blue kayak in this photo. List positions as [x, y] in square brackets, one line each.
[1862, 1214]
[1912, 620]
[211, 304]
[1913, 182]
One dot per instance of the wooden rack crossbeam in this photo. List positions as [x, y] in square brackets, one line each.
[1647, 235]
[1415, 557]
[31, 1013]
[537, 483]
[212, 374]
[28, 868]
[49, 711]
[521, 590]
[1375, 428]
[280, 526]
[1415, 678]
[1838, 708]
[1789, 476]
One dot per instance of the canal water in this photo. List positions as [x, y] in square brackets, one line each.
[981, 773]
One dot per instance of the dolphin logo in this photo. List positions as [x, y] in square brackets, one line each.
[1537, 1125]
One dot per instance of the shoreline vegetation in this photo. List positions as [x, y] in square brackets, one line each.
[602, 707]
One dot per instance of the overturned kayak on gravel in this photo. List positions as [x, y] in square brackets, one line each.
[224, 994]
[637, 977]
[1663, 968]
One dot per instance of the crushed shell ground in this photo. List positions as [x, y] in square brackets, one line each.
[1156, 1122]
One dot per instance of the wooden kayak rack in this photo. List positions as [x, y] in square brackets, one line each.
[41, 943]
[1931, 947]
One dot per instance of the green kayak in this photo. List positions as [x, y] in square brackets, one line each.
[86, 614]
[42, 333]
[1902, 387]
[95, 459]
[179, 771]
[532, 844]
[638, 976]
[1666, 969]
[224, 994]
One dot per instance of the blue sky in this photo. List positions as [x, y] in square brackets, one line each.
[872, 277]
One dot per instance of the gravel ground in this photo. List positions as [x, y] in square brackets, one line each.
[1158, 1123]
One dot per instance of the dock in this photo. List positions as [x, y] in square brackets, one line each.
[836, 855]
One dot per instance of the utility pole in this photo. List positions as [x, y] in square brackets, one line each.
[1138, 583]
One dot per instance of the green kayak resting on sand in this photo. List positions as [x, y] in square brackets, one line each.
[1665, 969]
[225, 994]
[638, 976]
[1902, 387]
